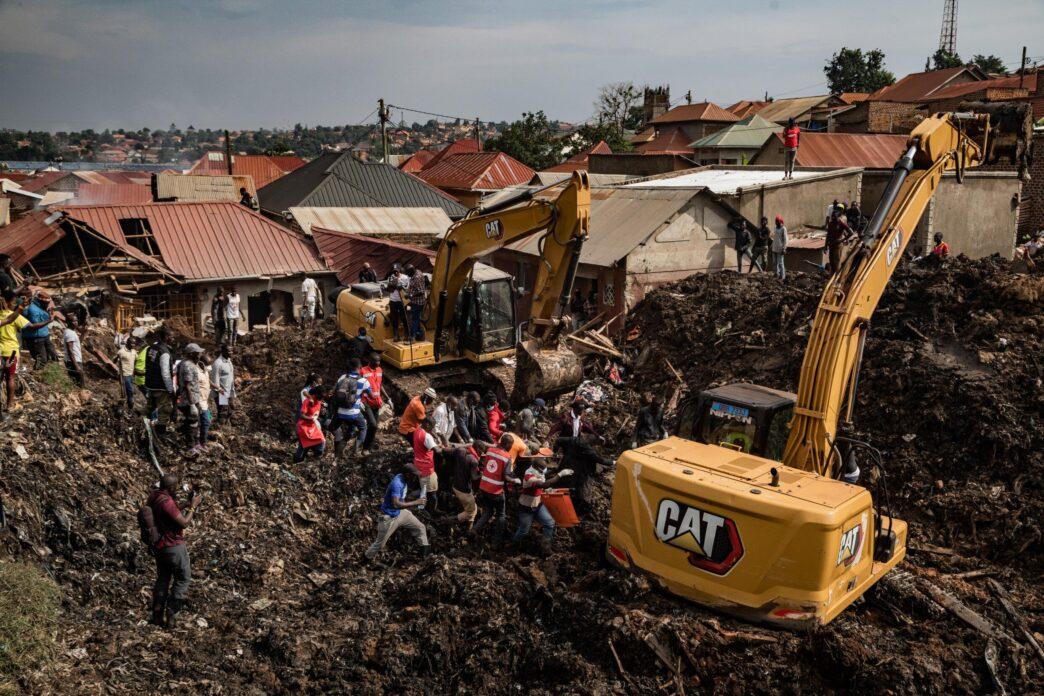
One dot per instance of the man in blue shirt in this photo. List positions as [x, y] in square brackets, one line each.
[395, 513]
[349, 420]
[38, 340]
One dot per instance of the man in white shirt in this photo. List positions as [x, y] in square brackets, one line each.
[396, 286]
[232, 315]
[73, 351]
[310, 293]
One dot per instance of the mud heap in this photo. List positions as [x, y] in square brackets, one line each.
[281, 601]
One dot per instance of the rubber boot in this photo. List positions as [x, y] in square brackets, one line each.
[425, 551]
[339, 449]
[173, 607]
[358, 447]
[157, 614]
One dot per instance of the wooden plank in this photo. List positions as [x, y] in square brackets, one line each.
[1016, 616]
[961, 611]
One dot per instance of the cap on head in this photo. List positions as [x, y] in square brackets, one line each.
[193, 349]
[430, 393]
[539, 402]
[779, 219]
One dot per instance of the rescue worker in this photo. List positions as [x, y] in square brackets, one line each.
[464, 461]
[415, 412]
[530, 503]
[159, 375]
[941, 250]
[493, 474]
[170, 552]
[310, 436]
[424, 447]
[349, 420]
[371, 400]
[649, 427]
[395, 513]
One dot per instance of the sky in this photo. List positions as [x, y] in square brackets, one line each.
[237, 64]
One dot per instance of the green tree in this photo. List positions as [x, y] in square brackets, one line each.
[531, 140]
[943, 59]
[590, 134]
[851, 70]
[619, 103]
[989, 64]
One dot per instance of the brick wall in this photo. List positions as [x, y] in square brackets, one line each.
[893, 117]
[1031, 211]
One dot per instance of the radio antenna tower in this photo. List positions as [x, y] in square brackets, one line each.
[948, 35]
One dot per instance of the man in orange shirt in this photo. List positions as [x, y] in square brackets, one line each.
[415, 412]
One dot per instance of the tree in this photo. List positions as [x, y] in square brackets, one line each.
[590, 134]
[943, 59]
[851, 70]
[531, 140]
[619, 103]
[989, 64]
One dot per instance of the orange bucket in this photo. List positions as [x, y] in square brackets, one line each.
[560, 505]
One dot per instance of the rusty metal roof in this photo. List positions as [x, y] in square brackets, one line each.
[872, 151]
[782, 109]
[415, 162]
[457, 147]
[1029, 82]
[108, 177]
[263, 170]
[287, 163]
[477, 171]
[580, 159]
[671, 141]
[204, 241]
[621, 220]
[26, 237]
[202, 187]
[920, 85]
[39, 182]
[113, 194]
[704, 111]
[346, 253]
[374, 221]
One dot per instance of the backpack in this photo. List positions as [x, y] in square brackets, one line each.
[147, 529]
[344, 391]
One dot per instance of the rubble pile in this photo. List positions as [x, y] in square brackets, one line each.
[282, 602]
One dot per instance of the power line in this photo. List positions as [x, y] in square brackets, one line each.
[436, 115]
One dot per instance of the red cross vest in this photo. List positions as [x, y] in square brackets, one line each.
[494, 463]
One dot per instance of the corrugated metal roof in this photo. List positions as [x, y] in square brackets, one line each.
[202, 187]
[53, 197]
[200, 241]
[853, 97]
[917, 86]
[782, 109]
[872, 151]
[39, 182]
[457, 147]
[5, 211]
[546, 178]
[101, 177]
[746, 107]
[261, 168]
[339, 180]
[27, 236]
[750, 133]
[374, 221]
[580, 159]
[113, 194]
[720, 181]
[477, 171]
[346, 253]
[621, 219]
[415, 162]
[1029, 82]
[704, 111]
[287, 163]
[670, 141]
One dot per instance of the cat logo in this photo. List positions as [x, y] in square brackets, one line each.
[713, 542]
[494, 230]
[851, 546]
[893, 246]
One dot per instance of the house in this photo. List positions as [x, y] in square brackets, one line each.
[580, 159]
[194, 188]
[417, 226]
[694, 120]
[167, 259]
[866, 150]
[640, 238]
[264, 169]
[1012, 87]
[667, 141]
[746, 107]
[346, 253]
[736, 144]
[897, 107]
[468, 176]
[811, 113]
[415, 162]
[340, 180]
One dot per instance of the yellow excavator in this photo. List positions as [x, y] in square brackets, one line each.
[761, 516]
[469, 318]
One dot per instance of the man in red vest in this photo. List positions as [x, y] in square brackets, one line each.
[424, 447]
[494, 472]
[372, 402]
[791, 141]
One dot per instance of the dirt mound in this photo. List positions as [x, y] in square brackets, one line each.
[950, 387]
[282, 603]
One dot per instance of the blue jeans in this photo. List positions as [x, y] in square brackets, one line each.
[415, 322]
[778, 266]
[302, 451]
[525, 522]
[205, 419]
[346, 427]
[128, 390]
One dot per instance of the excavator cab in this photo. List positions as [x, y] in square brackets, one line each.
[744, 417]
[485, 314]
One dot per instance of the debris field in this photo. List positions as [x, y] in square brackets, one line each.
[282, 602]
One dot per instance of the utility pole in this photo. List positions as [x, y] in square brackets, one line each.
[688, 97]
[228, 153]
[382, 112]
[478, 129]
[1022, 68]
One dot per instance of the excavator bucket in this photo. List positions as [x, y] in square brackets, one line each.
[542, 370]
[1011, 132]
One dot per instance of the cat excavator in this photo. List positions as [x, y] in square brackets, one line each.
[761, 514]
[469, 318]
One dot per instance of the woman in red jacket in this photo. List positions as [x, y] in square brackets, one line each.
[310, 436]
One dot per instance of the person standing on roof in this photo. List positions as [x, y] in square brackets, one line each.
[232, 315]
[779, 248]
[396, 286]
[248, 201]
[310, 297]
[791, 142]
[367, 274]
[417, 292]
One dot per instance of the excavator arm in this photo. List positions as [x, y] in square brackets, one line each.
[829, 371]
